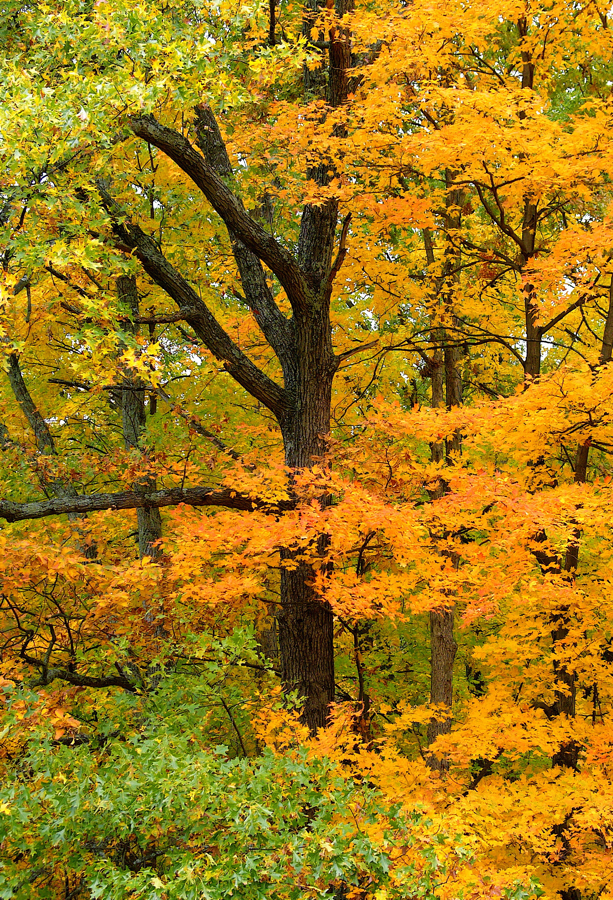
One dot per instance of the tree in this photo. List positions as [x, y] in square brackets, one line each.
[427, 516]
[301, 342]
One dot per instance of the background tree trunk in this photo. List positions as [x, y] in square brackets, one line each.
[134, 422]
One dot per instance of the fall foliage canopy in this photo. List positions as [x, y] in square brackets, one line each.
[306, 326]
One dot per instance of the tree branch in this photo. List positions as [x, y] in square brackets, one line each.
[342, 252]
[198, 496]
[84, 680]
[359, 349]
[200, 318]
[273, 324]
[565, 312]
[226, 204]
[40, 429]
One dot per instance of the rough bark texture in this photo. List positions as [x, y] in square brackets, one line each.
[443, 649]
[451, 275]
[301, 342]
[40, 429]
[306, 621]
[303, 346]
[45, 444]
[226, 204]
[534, 333]
[566, 679]
[304, 349]
[198, 496]
[197, 314]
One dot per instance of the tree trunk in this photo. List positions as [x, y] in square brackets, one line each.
[567, 754]
[445, 377]
[443, 649]
[134, 422]
[306, 621]
[301, 342]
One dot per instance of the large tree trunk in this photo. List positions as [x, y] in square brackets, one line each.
[306, 621]
[302, 344]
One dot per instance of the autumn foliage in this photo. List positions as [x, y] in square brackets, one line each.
[305, 414]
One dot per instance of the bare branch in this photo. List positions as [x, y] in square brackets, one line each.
[196, 312]
[342, 251]
[258, 296]
[198, 496]
[359, 349]
[226, 204]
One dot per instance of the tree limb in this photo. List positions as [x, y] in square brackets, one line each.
[226, 204]
[196, 312]
[198, 496]
[84, 680]
[258, 296]
[359, 349]
[342, 251]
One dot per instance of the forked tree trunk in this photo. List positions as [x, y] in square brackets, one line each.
[301, 342]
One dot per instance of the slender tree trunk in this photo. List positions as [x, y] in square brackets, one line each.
[134, 422]
[443, 650]
[446, 391]
[45, 444]
[532, 365]
[565, 679]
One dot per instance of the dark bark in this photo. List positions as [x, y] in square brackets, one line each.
[45, 444]
[197, 314]
[566, 679]
[314, 79]
[606, 351]
[340, 81]
[306, 642]
[302, 344]
[75, 678]
[277, 330]
[443, 649]
[446, 390]
[40, 429]
[134, 422]
[304, 348]
[306, 621]
[272, 22]
[436, 368]
[534, 333]
[227, 205]
[197, 496]
[451, 278]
